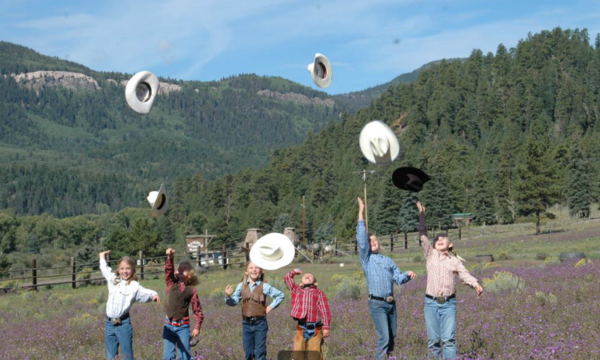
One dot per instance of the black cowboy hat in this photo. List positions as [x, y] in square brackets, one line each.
[410, 178]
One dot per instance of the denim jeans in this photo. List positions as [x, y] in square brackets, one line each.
[441, 324]
[255, 339]
[384, 316]
[115, 335]
[176, 337]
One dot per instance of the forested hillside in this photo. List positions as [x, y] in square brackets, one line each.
[503, 135]
[99, 143]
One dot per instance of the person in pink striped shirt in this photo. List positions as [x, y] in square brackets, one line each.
[440, 297]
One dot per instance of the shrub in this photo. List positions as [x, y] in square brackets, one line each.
[551, 260]
[84, 321]
[9, 284]
[100, 297]
[337, 278]
[418, 258]
[350, 288]
[541, 256]
[505, 256]
[503, 281]
[84, 274]
[543, 298]
[583, 262]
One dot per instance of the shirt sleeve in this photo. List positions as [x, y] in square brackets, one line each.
[144, 295]
[399, 277]
[197, 309]
[464, 275]
[422, 225]
[363, 241]
[234, 299]
[427, 248]
[169, 272]
[107, 272]
[323, 310]
[277, 295]
[289, 280]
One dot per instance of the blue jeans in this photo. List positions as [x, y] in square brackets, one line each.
[441, 324]
[384, 317]
[115, 335]
[176, 337]
[255, 339]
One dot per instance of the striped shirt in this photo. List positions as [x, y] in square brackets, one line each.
[381, 272]
[120, 295]
[236, 297]
[441, 268]
[309, 304]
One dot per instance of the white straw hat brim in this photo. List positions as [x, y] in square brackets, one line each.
[141, 91]
[283, 251]
[379, 143]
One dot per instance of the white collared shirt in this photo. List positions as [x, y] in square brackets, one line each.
[120, 295]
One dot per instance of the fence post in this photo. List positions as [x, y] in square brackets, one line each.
[73, 274]
[405, 240]
[224, 256]
[34, 273]
[392, 243]
[356, 247]
[247, 252]
[198, 252]
[141, 256]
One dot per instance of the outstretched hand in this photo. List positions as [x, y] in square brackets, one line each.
[156, 299]
[361, 205]
[228, 290]
[479, 289]
[424, 238]
[411, 274]
[104, 253]
[170, 252]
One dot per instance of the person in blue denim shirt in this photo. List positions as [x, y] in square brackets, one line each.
[252, 293]
[381, 274]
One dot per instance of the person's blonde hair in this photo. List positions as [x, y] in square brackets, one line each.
[261, 277]
[193, 280]
[129, 261]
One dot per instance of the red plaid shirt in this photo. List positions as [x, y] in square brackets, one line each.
[308, 304]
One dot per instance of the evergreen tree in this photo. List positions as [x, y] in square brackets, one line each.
[483, 199]
[385, 216]
[33, 246]
[533, 190]
[408, 215]
[579, 192]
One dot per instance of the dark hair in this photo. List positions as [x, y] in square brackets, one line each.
[439, 235]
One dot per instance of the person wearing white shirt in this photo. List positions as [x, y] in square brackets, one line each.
[123, 291]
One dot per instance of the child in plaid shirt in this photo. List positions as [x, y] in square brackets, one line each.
[440, 296]
[311, 309]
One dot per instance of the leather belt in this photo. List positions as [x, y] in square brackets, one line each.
[440, 299]
[253, 319]
[117, 321]
[389, 299]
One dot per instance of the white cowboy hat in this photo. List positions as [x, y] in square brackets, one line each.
[141, 91]
[379, 143]
[159, 202]
[272, 251]
[321, 71]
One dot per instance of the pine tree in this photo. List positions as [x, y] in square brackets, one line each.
[483, 199]
[385, 215]
[408, 215]
[579, 192]
[533, 191]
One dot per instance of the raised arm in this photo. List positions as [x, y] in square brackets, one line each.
[170, 268]
[361, 234]
[105, 269]
[289, 280]
[232, 297]
[427, 248]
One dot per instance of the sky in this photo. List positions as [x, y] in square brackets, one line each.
[368, 42]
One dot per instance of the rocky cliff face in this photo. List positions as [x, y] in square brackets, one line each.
[40, 80]
[296, 98]
[44, 79]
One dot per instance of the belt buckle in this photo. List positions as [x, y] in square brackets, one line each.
[389, 299]
[115, 321]
[440, 299]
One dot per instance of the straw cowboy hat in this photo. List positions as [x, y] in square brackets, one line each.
[141, 91]
[379, 143]
[159, 202]
[410, 178]
[321, 71]
[272, 251]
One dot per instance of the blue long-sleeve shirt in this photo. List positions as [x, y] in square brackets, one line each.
[381, 272]
[268, 290]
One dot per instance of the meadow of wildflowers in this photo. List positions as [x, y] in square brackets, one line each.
[554, 315]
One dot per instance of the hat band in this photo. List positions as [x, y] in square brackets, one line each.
[269, 255]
